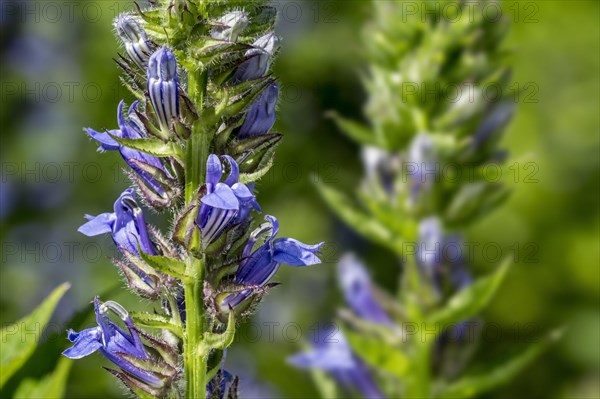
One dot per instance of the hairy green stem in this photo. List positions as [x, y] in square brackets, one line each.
[194, 358]
[197, 147]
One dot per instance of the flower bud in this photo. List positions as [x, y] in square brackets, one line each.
[230, 25]
[261, 115]
[163, 86]
[134, 39]
[258, 65]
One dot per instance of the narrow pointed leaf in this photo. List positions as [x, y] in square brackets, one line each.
[471, 300]
[354, 130]
[50, 386]
[478, 383]
[152, 146]
[19, 339]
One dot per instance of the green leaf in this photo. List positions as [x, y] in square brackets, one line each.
[359, 220]
[354, 130]
[478, 383]
[152, 146]
[379, 354]
[152, 320]
[50, 386]
[172, 267]
[19, 339]
[471, 300]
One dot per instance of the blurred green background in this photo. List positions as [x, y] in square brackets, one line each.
[57, 76]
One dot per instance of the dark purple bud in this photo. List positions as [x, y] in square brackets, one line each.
[163, 87]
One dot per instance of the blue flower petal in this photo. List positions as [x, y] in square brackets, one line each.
[107, 143]
[242, 192]
[295, 253]
[222, 197]
[234, 171]
[214, 170]
[100, 224]
[86, 342]
[358, 291]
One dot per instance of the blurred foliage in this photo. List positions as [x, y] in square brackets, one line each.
[320, 66]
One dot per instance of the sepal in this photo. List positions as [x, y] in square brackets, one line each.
[151, 198]
[255, 154]
[167, 352]
[153, 320]
[138, 388]
[136, 283]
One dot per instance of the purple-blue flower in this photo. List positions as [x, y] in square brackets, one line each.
[258, 266]
[130, 128]
[332, 353]
[440, 255]
[134, 39]
[126, 225]
[163, 87]
[358, 291]
[113, 342]
[261, 114]
[225, 203]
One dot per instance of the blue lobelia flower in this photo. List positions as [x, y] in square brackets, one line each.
[126, 225]
[163, 87]
[358, 291]
[258, 266]
[260, 117]
[113, 342]
[332, 353]
[259, 59]
[440, 255]
[134, 39]
[130, 128]
[225, 203]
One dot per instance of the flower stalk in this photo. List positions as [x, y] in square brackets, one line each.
[197, 78]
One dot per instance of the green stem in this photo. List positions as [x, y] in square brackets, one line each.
[198, 144]
[195, 359]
